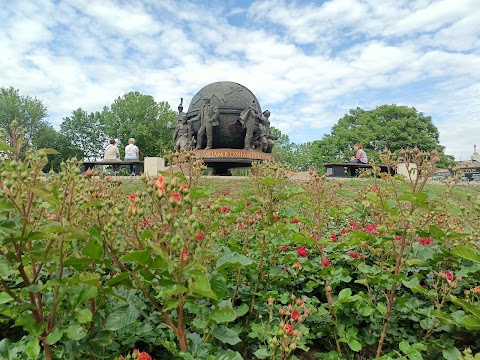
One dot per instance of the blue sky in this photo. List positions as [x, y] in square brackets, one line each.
[308, 62]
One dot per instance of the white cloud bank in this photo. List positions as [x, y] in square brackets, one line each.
[309, 63]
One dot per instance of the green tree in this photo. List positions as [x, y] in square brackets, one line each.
[148, 122]
[389, 127]
[48, 137]
[28, 112]
[85, 132]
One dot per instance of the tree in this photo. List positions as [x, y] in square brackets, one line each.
[389, 127]
[48, 137]
[138, 116]
[29, 113]
[85, 132]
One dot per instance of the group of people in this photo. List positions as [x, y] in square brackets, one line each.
[131, 153]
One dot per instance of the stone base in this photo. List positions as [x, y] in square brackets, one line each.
[222, 160]
[152, 165]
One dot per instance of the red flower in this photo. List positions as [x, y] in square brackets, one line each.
[334, 237]
[248, 203]
[425, 241]
[326, 262]
[132, 196]
[295, 315]
[288, 328]
[371, 228]
[275, 218]
[375, 189]
[143, 224]
[295, 221]
[398, 238]
[200, 236]
[353, 254]
[449, 275]
[282, 248]
[344, 231]
[184, 186]
[353, 224]
[185, 254]
[302, 252]
[176, 196]
[159, 183]
[144, 356]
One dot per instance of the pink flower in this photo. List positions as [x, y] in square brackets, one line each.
[248, 203]
[375, 189]
[425, 241]
[159, 183]
[176, 196]
[344, 231]
[449, 275]
[282, 248]
[275, 218]
[297, 265]
[326, 262]
[144, 356]
[398, 238]
[334, 237]
[200, 236]
[371, 228]
[353, 224]
[295, 221]
[302, 252]
[132, 196]
[295, 315]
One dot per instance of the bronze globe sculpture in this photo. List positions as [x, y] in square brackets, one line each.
[231, 117]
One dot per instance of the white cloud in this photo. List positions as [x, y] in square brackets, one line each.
[309, 64]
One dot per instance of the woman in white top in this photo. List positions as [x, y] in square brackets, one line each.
[131, 153]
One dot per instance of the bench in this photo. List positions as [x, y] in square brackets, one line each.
[91, 164]
[342, 169]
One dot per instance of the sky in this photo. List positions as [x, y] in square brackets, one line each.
[308, 62]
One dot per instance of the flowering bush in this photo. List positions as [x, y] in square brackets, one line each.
[384, 269]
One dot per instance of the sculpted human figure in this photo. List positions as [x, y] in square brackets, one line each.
[475, 156]
[180, 111]
[208, 117]
[183, 135]
[247, 119]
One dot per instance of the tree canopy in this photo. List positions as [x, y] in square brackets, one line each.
[29, 113]
[138, 116]
[390, 127]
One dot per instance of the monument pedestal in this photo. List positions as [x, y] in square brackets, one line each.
[222, 160]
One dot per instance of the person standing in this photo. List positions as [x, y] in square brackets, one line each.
[131, 154]
[208, 117]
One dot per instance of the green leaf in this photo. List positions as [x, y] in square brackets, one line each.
[226, 335]
[49, 151]
[5, 268]
[262, 353]
[83, 315]
[89, 279]
[233, 260]
[345, 293]
[5, 298]
[142, 257]
[241, 310]
[33, 348]
[414, 285]
[201, 286]
[471, 322]
[93, 250]
[8, 351]
[54, 336]
[171, 290]
[222, 315]
[121, 317]
[75, 332]
[35, 288]
[45, 195]
[228, 355]
[355, 345]
[404, 346]
[467, 253]
[451, 353]
[218, 283]
[444, 318]
[436, 232]
[474, 309]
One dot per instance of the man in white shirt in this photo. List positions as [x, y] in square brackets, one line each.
[131, 153]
